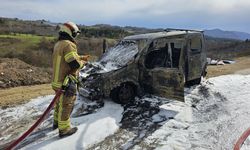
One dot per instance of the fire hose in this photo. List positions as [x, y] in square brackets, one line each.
[37, 123]
[242, 139]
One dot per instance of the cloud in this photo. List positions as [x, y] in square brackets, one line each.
[149, 13]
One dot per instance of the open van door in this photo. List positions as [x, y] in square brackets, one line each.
[161, 74]
[194, 58]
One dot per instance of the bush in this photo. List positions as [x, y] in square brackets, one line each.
[2, 21]
[36, 58]
[93, 46]
[114, 33]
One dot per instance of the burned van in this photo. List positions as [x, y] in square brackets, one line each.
[159, 63]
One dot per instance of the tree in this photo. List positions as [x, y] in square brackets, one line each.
[2, 21]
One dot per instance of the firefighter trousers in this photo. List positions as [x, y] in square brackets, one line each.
[62, 111]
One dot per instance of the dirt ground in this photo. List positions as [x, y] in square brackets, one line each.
[19, 95]
[14, 72]
[242, 66]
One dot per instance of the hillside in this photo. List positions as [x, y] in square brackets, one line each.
[39, 27]
[46, 28]
[219, 48]
[28, 48]
[218, 33]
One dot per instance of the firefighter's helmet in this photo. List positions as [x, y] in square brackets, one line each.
[70, 28]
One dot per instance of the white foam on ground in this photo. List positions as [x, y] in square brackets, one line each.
[92, 128]
[216, 123]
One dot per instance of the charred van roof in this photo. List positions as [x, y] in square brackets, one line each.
[160, 35]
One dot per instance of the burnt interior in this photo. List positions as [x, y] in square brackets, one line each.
[163, 56]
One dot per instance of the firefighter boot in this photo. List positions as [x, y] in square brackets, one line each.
[68, 132]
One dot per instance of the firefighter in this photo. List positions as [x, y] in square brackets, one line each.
[66, 64]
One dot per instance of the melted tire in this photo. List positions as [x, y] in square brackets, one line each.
[123, 94]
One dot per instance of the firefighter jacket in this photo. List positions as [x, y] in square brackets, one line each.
[65, 61]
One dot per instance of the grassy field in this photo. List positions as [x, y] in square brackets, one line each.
[27, 48]
[18, 43]
[33, 38]
[241, 66]
[19, 95]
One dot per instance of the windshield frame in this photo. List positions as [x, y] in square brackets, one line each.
[126, 41]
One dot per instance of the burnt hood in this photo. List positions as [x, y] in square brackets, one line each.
[97, 68]
[115, 58]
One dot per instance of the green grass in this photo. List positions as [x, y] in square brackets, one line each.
[17, 43]
[27, 38]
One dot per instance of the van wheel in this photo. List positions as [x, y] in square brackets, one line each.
[123, 94]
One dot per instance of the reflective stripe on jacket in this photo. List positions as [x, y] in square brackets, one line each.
[64, 52]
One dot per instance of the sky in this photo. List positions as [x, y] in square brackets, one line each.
[231, 15]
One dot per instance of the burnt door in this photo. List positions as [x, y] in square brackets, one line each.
[194, 58]
[161, 74]
[168, 83]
